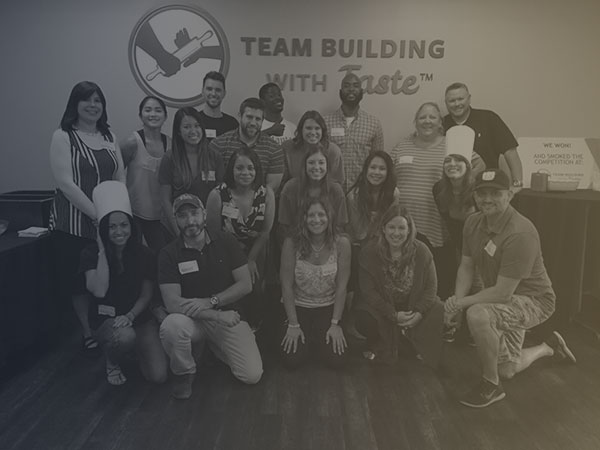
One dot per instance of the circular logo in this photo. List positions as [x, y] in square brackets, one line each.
[171, 49]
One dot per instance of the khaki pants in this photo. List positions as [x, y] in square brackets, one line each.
[235, 346]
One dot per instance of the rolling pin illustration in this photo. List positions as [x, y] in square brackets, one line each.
[184, 53]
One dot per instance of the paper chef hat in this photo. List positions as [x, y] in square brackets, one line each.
[110, 196]
[459, 141]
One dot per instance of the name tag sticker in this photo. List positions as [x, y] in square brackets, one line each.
[211, 176]
[211, 133]
[230, 211]
[406, 159]
[338, 132]
[106, 310]
[329, 269]
[490, 248]
[188, 267]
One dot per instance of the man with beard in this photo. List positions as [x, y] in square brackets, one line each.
[202, 277]
[492, 137]
[274, 124]
[353, 130]
[249, 135]
[214, 121]
[503, 247]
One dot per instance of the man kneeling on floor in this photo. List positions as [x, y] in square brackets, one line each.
[505, 248]
[201, 279]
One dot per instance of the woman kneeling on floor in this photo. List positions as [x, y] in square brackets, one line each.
[120, 273]
[315, 266]
[398, 302]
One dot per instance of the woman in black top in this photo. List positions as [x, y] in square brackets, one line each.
[120, 273]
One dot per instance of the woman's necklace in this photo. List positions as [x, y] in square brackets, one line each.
[87, 133]
[317, 250]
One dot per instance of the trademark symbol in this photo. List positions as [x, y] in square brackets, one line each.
[426, 76]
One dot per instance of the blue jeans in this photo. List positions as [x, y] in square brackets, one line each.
[142, 338]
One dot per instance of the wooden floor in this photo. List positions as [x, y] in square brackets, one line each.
[62, 401]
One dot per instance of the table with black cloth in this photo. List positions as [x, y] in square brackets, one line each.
[27, 292]
[568, 224]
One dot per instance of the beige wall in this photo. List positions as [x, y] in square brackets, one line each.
[535, 63]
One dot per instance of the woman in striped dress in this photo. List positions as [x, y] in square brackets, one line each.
[418, 163]
[83, 153]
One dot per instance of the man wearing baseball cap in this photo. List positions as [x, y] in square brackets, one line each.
[202, 277]
[504, 248]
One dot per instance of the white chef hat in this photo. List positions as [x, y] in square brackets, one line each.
[459, 141]
[110, 196]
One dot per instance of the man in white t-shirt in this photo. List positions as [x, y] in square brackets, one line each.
[274, 124]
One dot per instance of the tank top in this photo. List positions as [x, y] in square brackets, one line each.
[90, 167]
[142, 182]
[315, 285]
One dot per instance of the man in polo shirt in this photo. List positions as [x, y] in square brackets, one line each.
[504, 248]
[214, 121]
[249, 135]
[274, 124]
[353, 130]
[202, 277]
[492, 136]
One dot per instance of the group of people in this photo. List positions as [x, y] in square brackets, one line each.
[396, 232]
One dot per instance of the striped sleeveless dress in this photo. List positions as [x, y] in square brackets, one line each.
[417, 170]
[90, 166]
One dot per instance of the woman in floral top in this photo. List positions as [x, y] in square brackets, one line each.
[243, 206]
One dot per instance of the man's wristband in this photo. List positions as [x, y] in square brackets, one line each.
[130, 316]
[335, 322]
[294, 325]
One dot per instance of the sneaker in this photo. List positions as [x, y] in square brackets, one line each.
[182, 386]
[484, 395]
[369, 355]
[561, 351]
[449, 334]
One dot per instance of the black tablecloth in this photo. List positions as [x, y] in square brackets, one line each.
[27, 294]
[568, 224]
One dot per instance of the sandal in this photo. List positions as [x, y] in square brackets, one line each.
[89, 343]
[114, 375]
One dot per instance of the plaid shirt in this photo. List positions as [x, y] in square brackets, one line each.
[362, 136]
[269, 152]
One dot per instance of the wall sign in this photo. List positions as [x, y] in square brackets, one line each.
[564, 159]
[172, 47]
[356, 56]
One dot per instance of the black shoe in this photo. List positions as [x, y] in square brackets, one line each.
[449, 334]
[484, 394]
[557, 343]
[89, 344]
[182, 386]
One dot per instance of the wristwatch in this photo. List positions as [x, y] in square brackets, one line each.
[335, 322]
[214, 301]
[517, 183]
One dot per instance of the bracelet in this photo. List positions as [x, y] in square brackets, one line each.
[335, 322]
[130, 316]
[297, 325]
